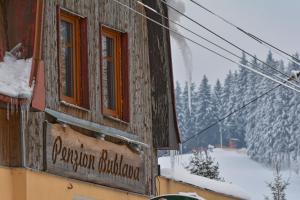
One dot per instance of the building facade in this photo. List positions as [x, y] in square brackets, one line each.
[102, 100]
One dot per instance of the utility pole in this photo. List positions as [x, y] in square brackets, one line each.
[221, 138]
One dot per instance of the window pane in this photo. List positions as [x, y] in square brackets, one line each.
[66, 59]
[107, 47]
[109, 92]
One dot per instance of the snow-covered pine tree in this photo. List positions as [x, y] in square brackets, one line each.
[204, 115]
[202, 164]
[241, 91]
[251, 116]
[228, 126]
[281, 126]
[278, 186]
[294, 113]
[217, 109]
[260, 148]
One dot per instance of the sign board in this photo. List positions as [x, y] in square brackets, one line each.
[74, 155]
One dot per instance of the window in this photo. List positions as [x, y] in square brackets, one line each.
[72, 58]
[114, 74]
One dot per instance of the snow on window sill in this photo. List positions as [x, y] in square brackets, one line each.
[74, 106]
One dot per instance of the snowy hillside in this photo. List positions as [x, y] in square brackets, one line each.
[243, 107]
[238, 169]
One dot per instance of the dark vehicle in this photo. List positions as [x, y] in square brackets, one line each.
[176, 197]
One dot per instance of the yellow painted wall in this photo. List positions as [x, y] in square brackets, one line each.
[22, 184]
[168, 186]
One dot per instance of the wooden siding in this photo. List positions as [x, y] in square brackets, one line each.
[10, 142]
[21, 16]
[3, 36]
[110, 14]
[150, 96]
[165, 130]
[34, 140]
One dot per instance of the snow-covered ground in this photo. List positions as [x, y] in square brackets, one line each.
[237, 168]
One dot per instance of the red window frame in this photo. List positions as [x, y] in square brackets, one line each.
[79, 60]
[121, 77]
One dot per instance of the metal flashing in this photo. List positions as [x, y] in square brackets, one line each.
[99, 129]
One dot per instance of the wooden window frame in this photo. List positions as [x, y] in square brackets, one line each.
[121, 74]
[79, 58]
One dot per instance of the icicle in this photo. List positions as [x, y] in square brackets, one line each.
[17, 107]
[189, 97]
[7, 111]
[12, 106]
[27, 112]
[24, 119]
[172, 160]
[23, 133]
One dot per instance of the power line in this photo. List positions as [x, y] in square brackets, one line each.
[231, 113]
[203, 38]
[252, 36]
[235, 111]
[221, 37]
[208, 49]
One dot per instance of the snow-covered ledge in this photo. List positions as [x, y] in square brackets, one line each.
[205, 183]
[14, 77]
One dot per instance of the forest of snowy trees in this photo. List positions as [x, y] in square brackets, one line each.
[268, 128]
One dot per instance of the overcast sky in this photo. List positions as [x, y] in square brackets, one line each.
[276, 21]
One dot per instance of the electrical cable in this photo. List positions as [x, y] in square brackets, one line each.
[235, 111]
[221, 37]
[231, 113]
[252, 36]
[203, 38]
[208, 49]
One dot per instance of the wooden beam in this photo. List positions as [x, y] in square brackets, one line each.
[3, 35]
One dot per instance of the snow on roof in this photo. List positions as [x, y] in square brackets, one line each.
[191, 194]
[14, 77]
[181, 174]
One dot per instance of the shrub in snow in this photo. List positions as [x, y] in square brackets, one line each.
[278, 186]
[202, 164]
[210, 147]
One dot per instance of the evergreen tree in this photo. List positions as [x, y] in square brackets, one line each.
[260, 148]
[294, 121]
[278, 187]
[251, 93]
[202, 164]
[269, 127]
[228, 126]
[241, 91]
[217, 109]
[204, 114]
